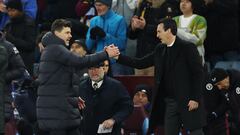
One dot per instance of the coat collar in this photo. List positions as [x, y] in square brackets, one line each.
[108, 14]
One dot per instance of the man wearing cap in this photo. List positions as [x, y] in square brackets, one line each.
[107, 28]
[216, 107]
[142, 96]
[228, 81]
[107, 102]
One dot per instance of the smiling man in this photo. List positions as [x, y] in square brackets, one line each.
[58, 103]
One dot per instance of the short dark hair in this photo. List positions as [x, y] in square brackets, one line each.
[169, 23]
[58, 25]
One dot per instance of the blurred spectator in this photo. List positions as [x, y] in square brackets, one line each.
[222, 42]
[79, 29]
[21, 31]
[105, 29]
[142, 96]
[85, 9]
[107, 68]
[29, 8]
[191, 26]
[107, 102]
[56, 9]
[79, 48]
[228, 81]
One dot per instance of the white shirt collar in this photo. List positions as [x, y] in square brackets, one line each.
[170, 45]
[99, 84]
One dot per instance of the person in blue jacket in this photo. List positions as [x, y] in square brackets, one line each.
[107, 28]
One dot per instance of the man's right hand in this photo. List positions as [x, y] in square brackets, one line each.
[112, 50]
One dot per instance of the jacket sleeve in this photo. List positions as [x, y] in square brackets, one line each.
[196, 72]
[68, 58]
[16, 66]
[124, 104]
[90, 42]
[138, 63]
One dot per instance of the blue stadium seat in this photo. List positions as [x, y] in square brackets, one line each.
[228, 65]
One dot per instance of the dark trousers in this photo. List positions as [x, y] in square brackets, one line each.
[173, 120]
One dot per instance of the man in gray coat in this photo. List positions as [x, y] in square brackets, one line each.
[57, 103]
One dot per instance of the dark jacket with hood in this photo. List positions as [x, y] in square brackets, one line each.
[3, 67]
[15, 70]
[57, 102]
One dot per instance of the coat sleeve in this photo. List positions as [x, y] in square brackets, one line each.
[16, 65]
[196, 72]
[90, 42]
[68, 58]
[138, 63]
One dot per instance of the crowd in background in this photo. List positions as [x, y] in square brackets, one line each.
[131, 25]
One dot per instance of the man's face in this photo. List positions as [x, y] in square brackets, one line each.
[64, 34]
[106, 66]
[186, 6]
[77, 49]
[101, 8]
[13, 13]
[161, 33]
[96, 73]
[224, 84]
[140, 98]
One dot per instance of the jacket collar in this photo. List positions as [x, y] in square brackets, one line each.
[108, 14]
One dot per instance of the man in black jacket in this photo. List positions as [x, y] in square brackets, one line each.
[178, 81]
[3, 67]
[107, 102]
[15, 70]
[216, 108]
[228, 81]
[58, 102]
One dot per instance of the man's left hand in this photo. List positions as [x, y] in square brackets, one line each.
[108, 123]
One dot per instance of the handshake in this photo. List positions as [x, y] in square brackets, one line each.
[112, 51]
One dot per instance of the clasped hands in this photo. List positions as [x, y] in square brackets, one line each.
[112, 51]
[97, 32]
